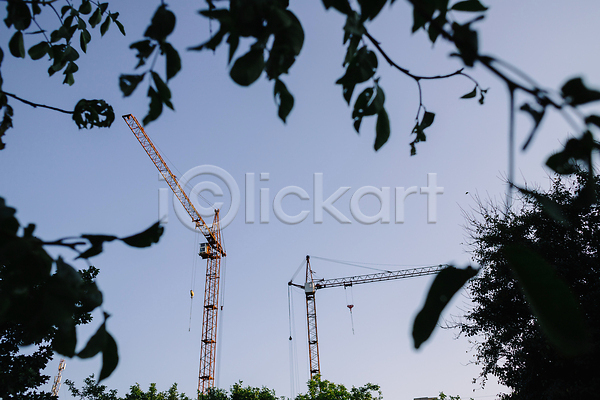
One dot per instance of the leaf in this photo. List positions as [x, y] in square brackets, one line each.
[369, 9]
[248, 68]
[39, 50]
[95, 344]
[120, 26]
[145, 238]
[361, 68]
[369, 102]
[156, 106]
[428, 118]
[466, 42]
[163, 90]
[162, 24]
[445, 285]
[85, 7]
[284, 99]
[128, 83]
[173, 59]
[382, 129]
[342, 6]
[18, 15]
[593, 119]
[576, 93]
[110, 357]
[469, 5]
[564, 162]
[471, 94]
[144, 50]
[84, 39]
[95, 18]
[104, 26]
[550, 300]
[16, 45]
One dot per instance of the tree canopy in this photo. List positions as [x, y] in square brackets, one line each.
[512, 347]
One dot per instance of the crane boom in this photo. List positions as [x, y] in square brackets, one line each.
[171, 180]
[311, 286]
[212, 253]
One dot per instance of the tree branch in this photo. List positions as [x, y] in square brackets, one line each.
[35, 105]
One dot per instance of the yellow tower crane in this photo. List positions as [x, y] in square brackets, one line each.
[311, 286]
[212, 251]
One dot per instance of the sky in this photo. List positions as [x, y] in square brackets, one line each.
[69, 182]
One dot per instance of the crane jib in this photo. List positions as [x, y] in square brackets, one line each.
[171, 180]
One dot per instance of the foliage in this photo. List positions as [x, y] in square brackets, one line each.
[42, 299]
[319, 389]
[91, 390]
[531, 261]
[75, 20]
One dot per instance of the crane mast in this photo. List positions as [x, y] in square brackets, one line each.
[311, 286]
[212, 251]
[57, 379]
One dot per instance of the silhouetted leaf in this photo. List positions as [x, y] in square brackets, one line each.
[471, 94]
[145, 238]
[576, 93]
[128, 83]
[18, 15]
[361, 68]
[16, 45]
[369, 9]
[110, 357]
[284, 99]
[163, 90]
[84, 38]
[162, 24]
[95, 18]
[466, 42]
[39, 50]
[96, 343]
[550, 300]
[144, 50]
[173, 61]
[564, 162]
[248, 68]
[156, 106]
[85, 7]
[445, 285]
[382, 129]
[469, 5]
[104, 27]
[341, 5]
[537, 115]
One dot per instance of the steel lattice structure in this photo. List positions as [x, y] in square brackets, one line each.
[212, 253]
[311, 286]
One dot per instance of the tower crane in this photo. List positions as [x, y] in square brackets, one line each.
[212, 251]
[311, 286]
[57, 379]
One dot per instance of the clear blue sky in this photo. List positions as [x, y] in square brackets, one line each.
[70, 182]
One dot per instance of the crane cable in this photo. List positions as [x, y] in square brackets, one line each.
[294, 379]
[193, 277]
[350, 305]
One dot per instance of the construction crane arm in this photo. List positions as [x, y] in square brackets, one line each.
[378, 277]
[368, 278]
[171, 180]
